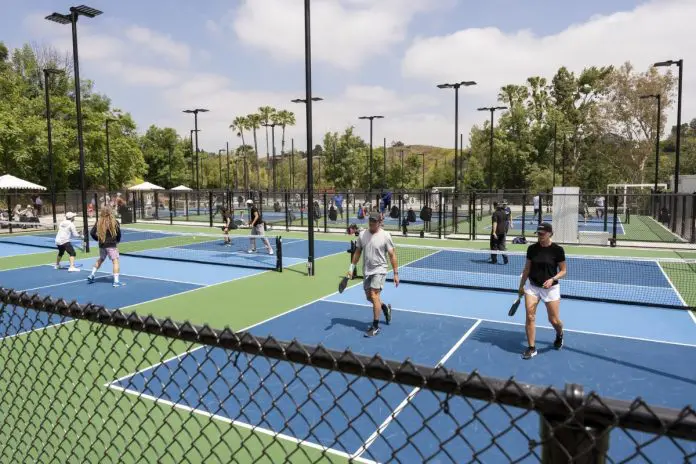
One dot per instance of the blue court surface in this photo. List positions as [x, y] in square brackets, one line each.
[145, 280]
[619, 351]
[592, 224]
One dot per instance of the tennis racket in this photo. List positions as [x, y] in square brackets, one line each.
[515, 305]
[342, 286]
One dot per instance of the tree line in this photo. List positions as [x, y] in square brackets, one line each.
[595, 123]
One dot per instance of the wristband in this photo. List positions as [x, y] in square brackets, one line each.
[351, 268]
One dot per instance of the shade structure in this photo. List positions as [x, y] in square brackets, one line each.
[145, 187]
[182, 188]
[10, 182]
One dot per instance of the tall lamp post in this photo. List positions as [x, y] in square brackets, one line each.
[680, 65]
[555, 143]
[71, 18]
[273, 151]
[371, 118]
[310, 150]
[193, 169]
[456, 87]
[47, 73]
[292, 164]
[227, 149]
[195, 125]
[220, 151]
[658, 97]
[108, 154]
[492, 109]
[423, 155]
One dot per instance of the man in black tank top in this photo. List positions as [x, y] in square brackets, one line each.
[257, 228]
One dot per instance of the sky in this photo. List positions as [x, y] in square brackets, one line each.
[155, 58]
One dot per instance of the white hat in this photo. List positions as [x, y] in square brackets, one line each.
[69, 215]
[250, 202]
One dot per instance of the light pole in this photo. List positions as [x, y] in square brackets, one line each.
[292, 164]
[456, 123]
[658, 97]
[273, 159]
[401, 154]
[385, 162]
[195, 125]
[71, 18]
[310, 150]
[171, 149]
[423, 155]
[193, 170]
[680, 65]
[371, 118]
[555, 143]
[492, 109]
[220, 165]
[47, 73]
[108, 154]
[227, 149]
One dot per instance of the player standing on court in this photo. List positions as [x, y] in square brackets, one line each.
[226, 224]
[375, 243]
[498, 233]
[67, 231]
[536, 201]
[257, 227]
[545, 266]
[107, 232]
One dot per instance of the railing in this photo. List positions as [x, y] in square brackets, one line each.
[81, 383]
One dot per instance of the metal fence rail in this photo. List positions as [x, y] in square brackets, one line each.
[81, 383]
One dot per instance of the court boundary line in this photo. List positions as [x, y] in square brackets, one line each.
[100, 271]
[18, 334]
[671, 284]
[110, 385]
[378, 433]
[543, 326]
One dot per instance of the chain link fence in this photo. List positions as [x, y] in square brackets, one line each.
[88, 384]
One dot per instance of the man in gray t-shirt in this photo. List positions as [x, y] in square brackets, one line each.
[375, 244]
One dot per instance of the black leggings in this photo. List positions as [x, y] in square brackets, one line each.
[66, 248]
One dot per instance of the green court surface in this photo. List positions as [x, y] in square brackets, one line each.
[235, 304]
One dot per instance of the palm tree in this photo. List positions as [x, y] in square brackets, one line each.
[239, 124]
[254, 123]
[266, 113]
[284, 118]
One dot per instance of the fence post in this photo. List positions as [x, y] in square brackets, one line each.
[683, 218]
[302, 209]
[9, 211]
[692, 220]
[172, 203]
[615, 220]
[156, 205]
[96, 206]
[524, 212]
[606, 201]
[210, 208]
[286, 196]
[325, 221]
[347, 209]
[472, 216]
[566, 440]
[439, 215]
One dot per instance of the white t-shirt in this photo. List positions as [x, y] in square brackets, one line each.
[536, 202]
[66, 231]
[374, 248]
[599, 202]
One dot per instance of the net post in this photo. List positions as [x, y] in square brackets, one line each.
[279, 254]
[524, 211]
[570, 440]
[439, 214]
[325, 222]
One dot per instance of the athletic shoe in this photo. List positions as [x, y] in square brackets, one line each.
[90, 279]
[270, 252]
[388, 313]
[73, 269]
[529, 353]
[119, 284]
[558, 342]
[56, 267]
[251, 251]
[372, 331]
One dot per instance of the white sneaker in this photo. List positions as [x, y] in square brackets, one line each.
[56, 267]
[73, 269]
[270, 252]
[251, 251]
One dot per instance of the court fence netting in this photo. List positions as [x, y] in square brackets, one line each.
[81, 383]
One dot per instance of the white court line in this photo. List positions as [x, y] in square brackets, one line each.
[215, 416]
[691, 313]
[497, 321]
[377, 433]
[19, 334]
[241, 424]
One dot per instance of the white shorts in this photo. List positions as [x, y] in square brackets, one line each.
[544, 294]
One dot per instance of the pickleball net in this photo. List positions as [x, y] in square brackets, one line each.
[659, 282]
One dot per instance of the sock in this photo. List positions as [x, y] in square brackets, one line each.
[532, 348]
[384, 307]
[94, 271]
[375, 323]
[115, 278]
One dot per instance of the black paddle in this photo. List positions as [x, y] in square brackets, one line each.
[515, 305]
[344, 283]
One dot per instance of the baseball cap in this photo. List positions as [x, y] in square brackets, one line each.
[250, 202]
[69, 215]
[545, 227]
[374, 216]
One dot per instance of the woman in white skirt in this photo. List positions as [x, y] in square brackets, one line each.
[545, 266]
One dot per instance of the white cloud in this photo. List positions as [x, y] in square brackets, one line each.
[141, 75]
[345, 33]
[160, 44]
[660, 30]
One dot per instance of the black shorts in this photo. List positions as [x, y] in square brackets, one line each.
[66, 248]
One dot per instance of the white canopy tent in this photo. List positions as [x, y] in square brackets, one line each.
[182, 188]
[145, 187]
[10, 182]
